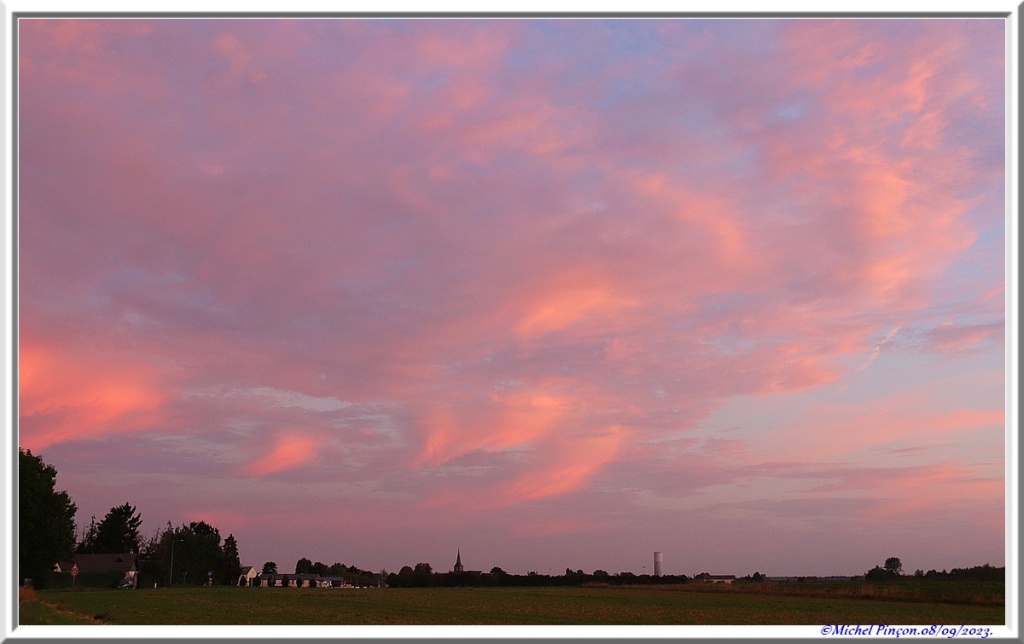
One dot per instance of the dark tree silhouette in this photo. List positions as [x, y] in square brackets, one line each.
[195, 550]
[231, 561]
[118, 532]
[88, 542]
[46, 519]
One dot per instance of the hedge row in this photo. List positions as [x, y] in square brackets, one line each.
[58, 580]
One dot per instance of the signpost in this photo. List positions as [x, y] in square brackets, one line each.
[74, 573]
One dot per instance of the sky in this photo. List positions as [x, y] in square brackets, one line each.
[551, 293]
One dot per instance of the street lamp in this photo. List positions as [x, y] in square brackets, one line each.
[170, 578]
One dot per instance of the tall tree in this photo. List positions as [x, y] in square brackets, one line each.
[153, 561]
[88, 542]
[303, 566]
[270, 568]
[46, 518]
[150, 548]
[187, 555]
[202, 550]
[118, 532]
[423, 574]
[231, 562]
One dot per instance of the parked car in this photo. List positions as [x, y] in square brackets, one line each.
[124, 583]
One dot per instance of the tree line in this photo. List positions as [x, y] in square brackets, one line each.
[893, 570]
[422, 575]
[190, 554]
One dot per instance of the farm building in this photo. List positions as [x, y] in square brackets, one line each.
[247, 576]
[298, 580]
[97, 569]
[716, 579]
[303, 580]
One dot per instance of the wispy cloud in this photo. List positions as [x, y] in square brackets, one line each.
[289, 451]
[514, 266]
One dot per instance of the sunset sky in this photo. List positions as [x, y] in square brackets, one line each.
[558, 293]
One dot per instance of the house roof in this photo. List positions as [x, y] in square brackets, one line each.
[247, 569]
[105, 562]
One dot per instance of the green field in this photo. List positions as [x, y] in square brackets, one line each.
[691, 604]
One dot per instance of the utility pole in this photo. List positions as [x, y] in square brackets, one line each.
[170, 578]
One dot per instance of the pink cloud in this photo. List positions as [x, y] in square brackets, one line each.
[483, 262]
[565, 307]
[564, 465]
[239, 60]
[923, 492]
[502, 421]
[463, 46]
[953, 339]
[67, 397]
[290, 450]
[846, 431]
[574, 465]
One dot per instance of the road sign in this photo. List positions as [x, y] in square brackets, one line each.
[74, 570]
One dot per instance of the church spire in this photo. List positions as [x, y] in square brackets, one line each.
[458, 561]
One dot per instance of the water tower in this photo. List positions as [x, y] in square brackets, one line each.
[657, 564]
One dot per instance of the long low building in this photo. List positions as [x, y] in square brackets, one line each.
[299, 580]
[719, 579]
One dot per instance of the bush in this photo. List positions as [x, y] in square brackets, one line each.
[879, 574]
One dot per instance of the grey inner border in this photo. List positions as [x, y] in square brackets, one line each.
[15, 17]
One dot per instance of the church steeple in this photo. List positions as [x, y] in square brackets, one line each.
[458, 561]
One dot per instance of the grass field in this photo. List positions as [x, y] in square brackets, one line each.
[690, 604]
[33, 610]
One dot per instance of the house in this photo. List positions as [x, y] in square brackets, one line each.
[126, 563]
[248, 575]
[716, 579]
[331, 582]
[266, 580]
[305, 580]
